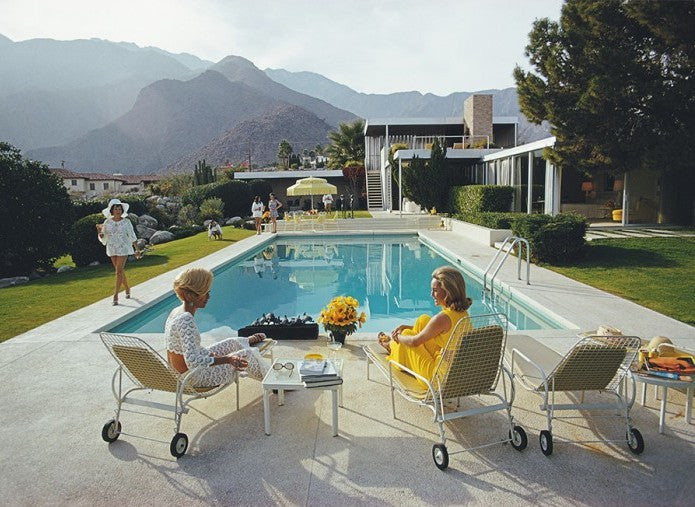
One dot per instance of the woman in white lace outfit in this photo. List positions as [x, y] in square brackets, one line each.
[119, 237]
[184, 350]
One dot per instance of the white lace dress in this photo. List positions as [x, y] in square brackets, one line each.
[118, 237]
[182, 336]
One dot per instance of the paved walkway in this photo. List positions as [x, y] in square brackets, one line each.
[56, 397]
[635, 232]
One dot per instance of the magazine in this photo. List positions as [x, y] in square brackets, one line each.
[312, 367]
[324, 383]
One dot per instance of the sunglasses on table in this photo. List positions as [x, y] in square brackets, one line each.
[279, 366]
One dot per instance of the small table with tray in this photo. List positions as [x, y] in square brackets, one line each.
[289, 379]
[665, 384]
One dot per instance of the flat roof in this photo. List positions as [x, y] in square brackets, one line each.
[377, 126]
[270, 175]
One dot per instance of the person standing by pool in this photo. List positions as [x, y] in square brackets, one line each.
[184, 350]
[273, 206]
[419, 347]
[117, 234]
[327, 202]
[257, 208]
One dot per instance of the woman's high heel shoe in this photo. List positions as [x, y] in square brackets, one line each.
[114, 302]
[127, 294]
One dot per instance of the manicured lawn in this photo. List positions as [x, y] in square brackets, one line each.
[27, 306]
[658, 273]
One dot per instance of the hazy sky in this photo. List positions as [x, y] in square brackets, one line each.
[372, 46]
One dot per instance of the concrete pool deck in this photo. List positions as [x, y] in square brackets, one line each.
[56, 397]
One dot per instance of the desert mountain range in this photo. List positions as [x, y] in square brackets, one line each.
[102, 106]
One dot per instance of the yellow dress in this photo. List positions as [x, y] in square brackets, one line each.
[423, 358]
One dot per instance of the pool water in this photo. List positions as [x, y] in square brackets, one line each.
[389, 276]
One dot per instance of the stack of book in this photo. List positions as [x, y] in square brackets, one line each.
[318, 373]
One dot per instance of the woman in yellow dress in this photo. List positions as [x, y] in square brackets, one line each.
[419, 347]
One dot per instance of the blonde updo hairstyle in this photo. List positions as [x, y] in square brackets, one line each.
[193, 282]
[452, 283]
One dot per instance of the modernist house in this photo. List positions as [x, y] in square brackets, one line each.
[486, 150]
[96, 184]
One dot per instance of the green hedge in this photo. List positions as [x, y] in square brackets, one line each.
[480, 198]
[490, 219]
[555, 240]
[138, 205]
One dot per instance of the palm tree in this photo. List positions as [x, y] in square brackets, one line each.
[284, 152]
[347, 143]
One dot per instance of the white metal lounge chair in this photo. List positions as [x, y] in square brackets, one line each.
[470, 366]
[595, 363]
[148, 370]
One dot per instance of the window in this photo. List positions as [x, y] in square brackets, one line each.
[92, 186]
[73, 182]
[106, 186]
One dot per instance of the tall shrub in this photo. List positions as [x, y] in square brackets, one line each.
[211, 209]
[36, 214]
[481, 198]
[555, 240]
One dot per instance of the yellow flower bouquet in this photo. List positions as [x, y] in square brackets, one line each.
[340, 316]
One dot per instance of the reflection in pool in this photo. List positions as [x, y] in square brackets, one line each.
[389, 276]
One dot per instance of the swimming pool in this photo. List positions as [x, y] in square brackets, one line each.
[388, 275]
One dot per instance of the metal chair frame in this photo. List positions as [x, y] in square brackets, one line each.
[462, 357]
[595, 363]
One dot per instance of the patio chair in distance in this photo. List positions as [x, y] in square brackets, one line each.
[595, 363]
[471, 365]
[148, 370]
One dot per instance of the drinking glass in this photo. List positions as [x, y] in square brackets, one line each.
[333, 344]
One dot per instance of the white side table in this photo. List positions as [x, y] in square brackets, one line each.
[665, 383]
[285, 379]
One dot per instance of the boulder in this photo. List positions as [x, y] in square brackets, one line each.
[142, 243]
[153, 198]
[235, 221]
[65, 269]
[148, 221]
[250, 225]
[161, 237]
[15, 280]
[94, 263]
[144, 232]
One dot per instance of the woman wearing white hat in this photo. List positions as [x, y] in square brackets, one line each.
[119, 237]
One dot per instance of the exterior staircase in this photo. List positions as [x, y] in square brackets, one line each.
[375, 201]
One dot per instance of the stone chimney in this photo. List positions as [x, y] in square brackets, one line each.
[477, 115]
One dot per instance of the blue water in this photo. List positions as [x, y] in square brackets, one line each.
[389, 276]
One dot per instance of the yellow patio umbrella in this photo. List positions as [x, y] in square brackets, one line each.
[311, 186]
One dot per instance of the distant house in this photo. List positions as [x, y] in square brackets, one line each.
[90, 185]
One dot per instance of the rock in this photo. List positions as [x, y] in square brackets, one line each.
[250, 225]
[34, 275]
[142, 243]
[148, 221]
[153, 198]
[161, 207]
[161, 237]
[94, 263]
[235, 221]
[144, 232]
[12, 281]
[65, 269]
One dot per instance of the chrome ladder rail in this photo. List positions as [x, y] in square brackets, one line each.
[512, 241]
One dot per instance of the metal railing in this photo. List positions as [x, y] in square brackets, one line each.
[512, 241]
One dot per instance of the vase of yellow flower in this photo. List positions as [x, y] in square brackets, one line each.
[340, 317]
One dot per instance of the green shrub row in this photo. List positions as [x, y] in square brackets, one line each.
[138, 205]
[555, 240]
[490, 219]
[480, 198]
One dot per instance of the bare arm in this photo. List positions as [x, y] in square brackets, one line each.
[438, 324]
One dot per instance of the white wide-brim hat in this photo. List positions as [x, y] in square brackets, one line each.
[113, 202]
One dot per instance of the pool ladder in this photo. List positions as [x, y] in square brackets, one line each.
[512, 241]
